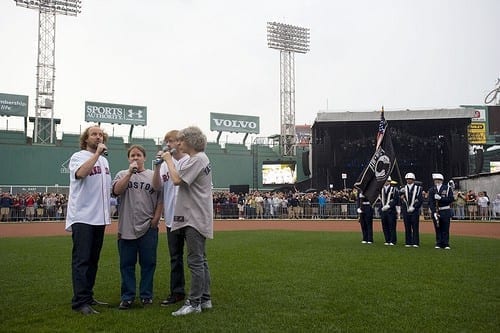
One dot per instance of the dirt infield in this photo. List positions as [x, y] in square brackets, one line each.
[477, 229]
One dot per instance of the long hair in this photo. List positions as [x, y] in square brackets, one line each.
[85, 136]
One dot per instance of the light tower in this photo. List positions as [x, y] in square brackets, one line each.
[289, 40]
[44, 130]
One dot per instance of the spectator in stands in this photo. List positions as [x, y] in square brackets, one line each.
[459, 205]
[496, 206]
[483, 202]
[471, 201]
[5, 204]
[29, 201]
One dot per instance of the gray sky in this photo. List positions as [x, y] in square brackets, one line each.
[186, 58]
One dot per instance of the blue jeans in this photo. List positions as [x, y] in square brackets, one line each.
[87, 245]
[175, 240]
[198, 265]
[144, 248]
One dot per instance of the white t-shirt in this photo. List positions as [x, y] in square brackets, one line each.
[170, 190]
[89, 197]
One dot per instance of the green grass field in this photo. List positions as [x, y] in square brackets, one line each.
[270, 281]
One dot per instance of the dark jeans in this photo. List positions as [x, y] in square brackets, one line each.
[175, 240]
[87, 244]
[144, 248]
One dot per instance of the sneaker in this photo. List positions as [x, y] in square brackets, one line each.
[206, 305]
[172, 299]
[96, 302]
[125, 305]
[436, 247]
[369, 242]
[363, 242]
[146, 301]
[407, 245]
[415, 245]
[447, 248]
[386, 243]
[186, 309]
[391, 244]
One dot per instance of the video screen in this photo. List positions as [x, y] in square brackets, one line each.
[278, 173]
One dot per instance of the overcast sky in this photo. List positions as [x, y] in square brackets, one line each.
[186, 58]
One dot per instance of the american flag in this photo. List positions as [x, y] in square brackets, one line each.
[381, 129]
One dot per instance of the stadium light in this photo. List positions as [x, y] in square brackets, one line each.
[289, 40]
[44, 131]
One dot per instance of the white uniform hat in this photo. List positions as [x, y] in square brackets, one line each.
[437, 176]
[410, 175]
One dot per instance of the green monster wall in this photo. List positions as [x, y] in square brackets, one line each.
[47, 165]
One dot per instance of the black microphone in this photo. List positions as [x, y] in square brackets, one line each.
[134, 170]
[105, 152]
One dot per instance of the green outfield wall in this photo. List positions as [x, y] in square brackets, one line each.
[24, 163]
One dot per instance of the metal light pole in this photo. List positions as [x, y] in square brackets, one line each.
[289, 40]
[45, 68]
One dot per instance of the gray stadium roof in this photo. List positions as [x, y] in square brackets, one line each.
[349, 116]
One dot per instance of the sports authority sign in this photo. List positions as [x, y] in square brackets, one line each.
[234, 123]
[13, 105]
[115, 113]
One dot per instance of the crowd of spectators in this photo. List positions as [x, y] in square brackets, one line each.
[334, 204]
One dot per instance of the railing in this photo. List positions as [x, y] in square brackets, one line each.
[339, 211]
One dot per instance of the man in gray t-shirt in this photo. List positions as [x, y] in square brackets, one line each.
[193, 214]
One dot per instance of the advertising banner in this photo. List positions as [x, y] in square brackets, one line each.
[234, 123]
[13, 105]
[115, 113]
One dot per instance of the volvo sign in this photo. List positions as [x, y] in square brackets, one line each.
[115, 113]
[234, 123]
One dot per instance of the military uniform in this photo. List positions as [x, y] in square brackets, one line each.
[440, 198]
[365, 211]
[411, 201]
[389, 198]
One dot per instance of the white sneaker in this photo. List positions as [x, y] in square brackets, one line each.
[407, 245]
[206, 305]
[447, 248]
[436, 247]
[363, 242]
[415, 245]
[391, 244]
[386, 243]
[186, 309]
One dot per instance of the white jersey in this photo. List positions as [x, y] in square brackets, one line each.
[170, 190]
[89, 197]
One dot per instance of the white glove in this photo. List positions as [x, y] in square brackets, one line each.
[411, 209]
[437, 196]
[385, 208]
[361, 195]
[359, 211]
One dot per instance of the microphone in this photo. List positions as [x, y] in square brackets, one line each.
[134, 170]
[159, 160]
[105, 152]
